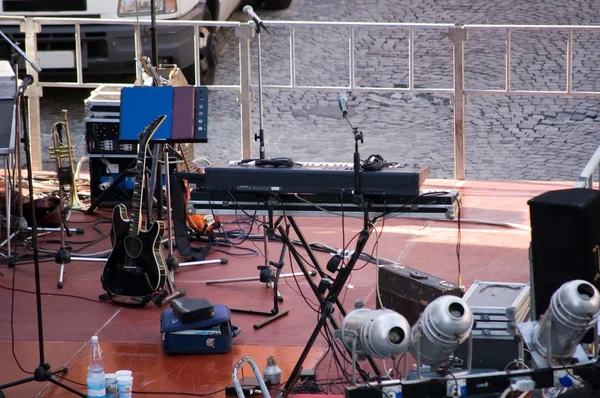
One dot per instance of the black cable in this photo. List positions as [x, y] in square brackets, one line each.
[376, 163]
[275, 163]
[12, 324]
[13, 289]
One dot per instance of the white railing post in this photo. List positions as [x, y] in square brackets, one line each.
[31, 28]
[458, 36]
[244, 33]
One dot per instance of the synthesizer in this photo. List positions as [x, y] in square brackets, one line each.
[314, 178]
[430, 203]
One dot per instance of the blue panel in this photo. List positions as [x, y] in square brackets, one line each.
[141, 105]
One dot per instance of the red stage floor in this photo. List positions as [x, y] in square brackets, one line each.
[131, 337]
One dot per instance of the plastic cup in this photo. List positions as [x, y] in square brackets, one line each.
[123, 373]
[111, 385]
[125, 386]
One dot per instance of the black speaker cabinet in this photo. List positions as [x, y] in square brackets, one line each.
[105, 170]
[565, 237]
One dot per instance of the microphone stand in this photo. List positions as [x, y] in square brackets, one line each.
[358, 136]
[153, 33]
[260, 137]
[43, 372]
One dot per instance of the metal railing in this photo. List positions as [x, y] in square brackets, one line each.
[458, 90]
[586, 178]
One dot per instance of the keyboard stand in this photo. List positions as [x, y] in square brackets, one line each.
[329, 300]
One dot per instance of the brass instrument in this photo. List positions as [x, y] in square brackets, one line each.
[62, 153]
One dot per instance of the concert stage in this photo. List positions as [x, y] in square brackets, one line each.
[131, 337]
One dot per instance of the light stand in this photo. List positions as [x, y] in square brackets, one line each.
[43, 372]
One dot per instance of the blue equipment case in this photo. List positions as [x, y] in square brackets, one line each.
[209, 336]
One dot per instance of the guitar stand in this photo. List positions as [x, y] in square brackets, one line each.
[271, 279]
[182, 239]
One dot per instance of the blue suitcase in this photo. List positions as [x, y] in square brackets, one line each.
[209, 336]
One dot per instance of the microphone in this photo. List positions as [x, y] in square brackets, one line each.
[248, 10]
[27, 81]
[343, 105]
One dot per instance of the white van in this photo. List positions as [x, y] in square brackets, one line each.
[109, 49]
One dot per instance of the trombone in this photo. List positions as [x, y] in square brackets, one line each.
[64, 161]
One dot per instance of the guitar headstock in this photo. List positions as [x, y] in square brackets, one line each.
[146, 134]
[150, 69]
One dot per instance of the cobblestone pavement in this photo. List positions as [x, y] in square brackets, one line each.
[507, 137]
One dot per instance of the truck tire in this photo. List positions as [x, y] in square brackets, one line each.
[276, 4]
[208, 56]
[208, 62]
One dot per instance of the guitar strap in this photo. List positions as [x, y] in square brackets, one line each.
[182, 239]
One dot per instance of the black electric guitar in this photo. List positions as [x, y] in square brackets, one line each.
[136, 267]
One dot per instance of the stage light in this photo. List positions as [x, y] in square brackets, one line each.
[574, 309]
[378, 333]
[446, 322]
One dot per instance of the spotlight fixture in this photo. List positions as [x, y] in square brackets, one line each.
[379, 333]
[574, 310]
[444, 325]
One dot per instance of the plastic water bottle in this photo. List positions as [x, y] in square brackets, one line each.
[95, 378]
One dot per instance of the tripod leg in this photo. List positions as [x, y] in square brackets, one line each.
[16, 383]
[277, 297]
[270, 319]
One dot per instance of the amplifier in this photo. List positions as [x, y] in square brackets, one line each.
[102, 137]
[102, 121]
[7, 108]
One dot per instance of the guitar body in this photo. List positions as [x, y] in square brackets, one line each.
[136, 267]
[201, 223]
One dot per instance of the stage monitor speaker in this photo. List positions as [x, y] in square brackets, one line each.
[8, 88]
[565, 239]
[7, 126]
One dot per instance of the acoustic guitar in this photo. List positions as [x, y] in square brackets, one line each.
[136, 267]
